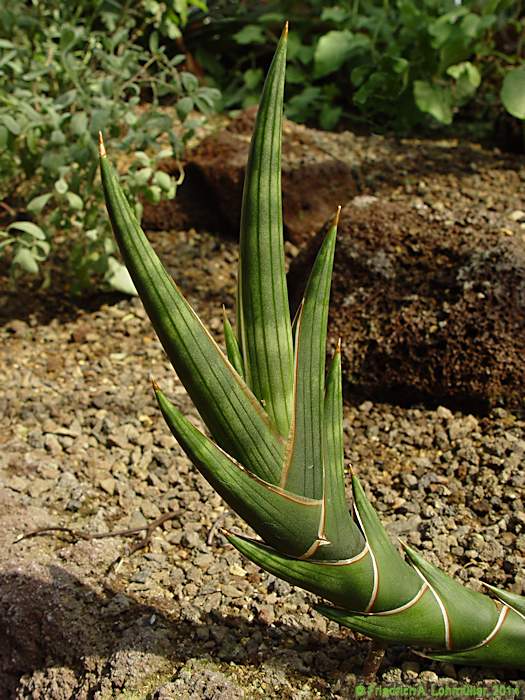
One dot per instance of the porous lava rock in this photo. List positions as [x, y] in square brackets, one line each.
[429, 307]
[211, 194]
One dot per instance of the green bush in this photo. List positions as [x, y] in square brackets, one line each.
[68, 70]
[395, 64]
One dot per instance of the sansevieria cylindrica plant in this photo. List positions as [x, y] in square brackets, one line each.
[275, 417]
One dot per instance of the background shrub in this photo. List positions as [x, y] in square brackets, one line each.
[68, 70]
[395, 64]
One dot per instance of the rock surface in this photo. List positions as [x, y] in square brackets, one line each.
[429, 305]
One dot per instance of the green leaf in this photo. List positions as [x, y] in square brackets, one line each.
[36, 205]
[334, 48]
[513, 92]
[464, 629]
[74, 201]
[336, 14]
[232, 346]
[79, 123]
[163, 180]
[263, 320]
[434, 100]
[303, 472]
[67, 38]
[467, 77]
[251, 34]
[28, 227]
[284, 521]
[120, 279]
[25, 259]
[390, 565]
[189, 81]
[11, 124]
[466, 69]
[345, 583]
[4, 137]
[229, 409]
[143, 176]
[253, 77]
[340, 529]
[184, 107]
[61, 186]
[153, 194]
[329, 116]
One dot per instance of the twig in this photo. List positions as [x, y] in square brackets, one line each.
[216, 525]
[86, 535]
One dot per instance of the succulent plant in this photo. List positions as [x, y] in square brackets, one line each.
[274, 414]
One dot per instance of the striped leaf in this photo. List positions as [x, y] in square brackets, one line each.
[288, 522]
[304, 468]
[263, 317]
[230, 410]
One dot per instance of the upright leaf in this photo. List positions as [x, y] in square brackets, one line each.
[263, 316]
[304, 470]
[227, 406]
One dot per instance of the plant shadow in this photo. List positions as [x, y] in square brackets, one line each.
[63, 622]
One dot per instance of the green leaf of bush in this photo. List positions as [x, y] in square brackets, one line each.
[12, 125]
[74, 201]
[24, 258]
[513, 92]
[79, 123]
[334, 48]
[119, 278]
[184, 107]
[433, 100]
[36, 205]
[28, 227]
[251, 34]
[331, 52]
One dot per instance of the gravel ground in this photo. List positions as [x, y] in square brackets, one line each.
[84, 446]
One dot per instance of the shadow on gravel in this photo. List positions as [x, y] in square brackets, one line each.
[44, 306]
[62, 622]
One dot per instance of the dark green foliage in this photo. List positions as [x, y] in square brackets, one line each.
[390, 64]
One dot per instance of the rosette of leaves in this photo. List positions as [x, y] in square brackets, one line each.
[275, 417]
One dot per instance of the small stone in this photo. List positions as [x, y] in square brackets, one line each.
[231, 591]
[17, 483]
[411, 669]
[108, 485]
[149, 510]
[137, 520]
[236, 570]
[267, 614]
[119, 440]
[443, 412]
[17, 327]
[428, 677]
[52, 444]
[39, 486]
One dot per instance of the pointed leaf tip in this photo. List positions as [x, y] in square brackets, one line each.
[285, 30]
[101, 146]
[335, 220]
[154, 384]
